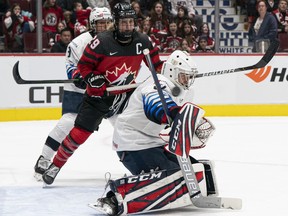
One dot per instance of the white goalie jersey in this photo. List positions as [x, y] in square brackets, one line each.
[129, 133]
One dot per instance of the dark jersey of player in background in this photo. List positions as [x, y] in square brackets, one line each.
[119, 66]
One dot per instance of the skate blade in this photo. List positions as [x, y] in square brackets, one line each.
[105, 209]
[45, 185]
[38, 177]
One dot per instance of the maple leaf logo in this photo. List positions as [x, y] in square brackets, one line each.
[121, 76]
[258, 75]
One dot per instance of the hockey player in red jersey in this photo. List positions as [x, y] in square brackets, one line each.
[112, 58]
[100, 19]
[140, 148]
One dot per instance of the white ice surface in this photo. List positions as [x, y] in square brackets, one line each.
[250, 154]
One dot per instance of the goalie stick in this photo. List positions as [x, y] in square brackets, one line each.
[262, 63]
[197, 198]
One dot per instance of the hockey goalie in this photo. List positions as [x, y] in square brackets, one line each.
[149, 147]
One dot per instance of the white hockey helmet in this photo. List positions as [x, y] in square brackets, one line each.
[180, 68]
[99, 13]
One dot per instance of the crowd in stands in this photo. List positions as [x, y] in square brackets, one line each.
[171, 24]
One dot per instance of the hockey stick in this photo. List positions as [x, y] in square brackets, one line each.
[19, 80]
[197, 198]
[262, 63]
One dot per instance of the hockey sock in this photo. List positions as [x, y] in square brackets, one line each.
[76, 137]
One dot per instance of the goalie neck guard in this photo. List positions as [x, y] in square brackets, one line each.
[180, 68]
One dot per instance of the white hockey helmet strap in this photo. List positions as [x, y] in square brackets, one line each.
[180, 68]
[99, 13]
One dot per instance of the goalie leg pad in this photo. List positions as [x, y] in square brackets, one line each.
[155, 191]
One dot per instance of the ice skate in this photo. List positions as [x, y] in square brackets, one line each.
[50, 174]
[106, 205]
[40, 167]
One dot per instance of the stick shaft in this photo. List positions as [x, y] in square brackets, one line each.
[262, 63]
[158, 86]
[19, 80]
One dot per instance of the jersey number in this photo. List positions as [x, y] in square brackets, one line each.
[69, 51]
[94, 43]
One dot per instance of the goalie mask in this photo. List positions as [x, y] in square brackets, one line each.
[180, 68]
[122, 12]
[97, 14]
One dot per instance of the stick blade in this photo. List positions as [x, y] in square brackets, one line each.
[218, 202]
[231, 203]
[269, 54]
[16, 74]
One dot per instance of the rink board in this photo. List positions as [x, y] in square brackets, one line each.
[249, 93]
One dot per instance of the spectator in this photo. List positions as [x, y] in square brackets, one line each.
[61, 45]
[140, 16]
[68, 5]
[182, 3]
[189, 31]
[197, 19]
[57, 37]
[173, 40]
[186, 46]
[98, 3]
[52, 15]
[182, 14]
[68, 21]
[82, 16]
[281, 15]
[15, 24]
[264, 29]
[205, 30]
[145, 28]
[146, 6]
[159, 20]
[203, 45]
[271, 5]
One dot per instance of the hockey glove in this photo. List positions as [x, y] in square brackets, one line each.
[96, 85]
[79, 81]
[203, 132]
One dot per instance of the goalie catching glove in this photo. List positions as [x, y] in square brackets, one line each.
[190, 130]
[96, 85]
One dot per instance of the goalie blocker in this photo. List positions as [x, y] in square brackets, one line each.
[154, 191]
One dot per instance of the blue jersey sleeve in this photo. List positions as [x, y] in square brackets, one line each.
[153, 107]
